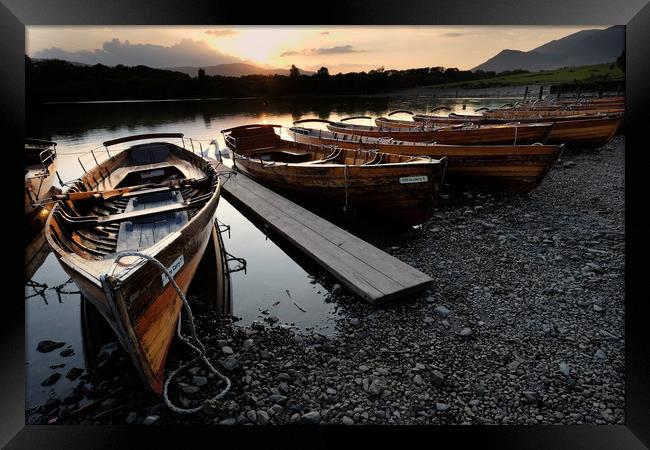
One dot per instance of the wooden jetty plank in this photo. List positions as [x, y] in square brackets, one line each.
[338, 239]
[369, 272]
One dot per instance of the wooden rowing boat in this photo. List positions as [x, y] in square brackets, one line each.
[402, 187]
[576, 131]
[455, 119]
[40, 168]
[156, 198]
[462, 134]
[507, 167]
[519, 114]
[585, 133]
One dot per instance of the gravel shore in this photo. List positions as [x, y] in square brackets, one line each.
[524, 325]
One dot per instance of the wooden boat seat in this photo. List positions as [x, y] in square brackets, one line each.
[135, 215]
[140, 233]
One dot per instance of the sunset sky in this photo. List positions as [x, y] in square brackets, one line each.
[340, 48]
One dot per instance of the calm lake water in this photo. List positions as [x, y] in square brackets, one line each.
[272, 275]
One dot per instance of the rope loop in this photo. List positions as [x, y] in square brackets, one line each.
[199, 348]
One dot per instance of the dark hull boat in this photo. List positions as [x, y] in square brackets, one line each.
[402, 187]
[508, 167]
[154, 198]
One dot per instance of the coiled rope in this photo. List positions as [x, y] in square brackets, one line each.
[199, 348]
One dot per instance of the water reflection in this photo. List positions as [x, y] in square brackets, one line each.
[278, 279]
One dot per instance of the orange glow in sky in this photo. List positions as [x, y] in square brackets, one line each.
[340, 48]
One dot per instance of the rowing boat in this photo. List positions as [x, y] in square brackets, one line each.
[577, 131]
[462, 134]
[507, 167]
[40, 168]
[403, 187]
[155, 198]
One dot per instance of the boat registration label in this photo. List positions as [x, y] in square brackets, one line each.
[173, 269]
[414, 179]
[152, 173]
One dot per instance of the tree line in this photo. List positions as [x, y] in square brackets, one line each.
[56, 80]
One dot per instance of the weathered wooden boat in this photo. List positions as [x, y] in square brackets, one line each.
[508, 167]
[155, 198]
[585, 133]
[462, 134]
[576, 131]
[455, 119]
[40, 168]
[402, 187]
[519, 114]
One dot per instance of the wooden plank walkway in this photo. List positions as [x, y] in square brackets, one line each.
[364, 269]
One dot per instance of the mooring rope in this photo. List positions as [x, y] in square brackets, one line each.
[515, 143]
[345, 177]
[200, 349]
[226, 176]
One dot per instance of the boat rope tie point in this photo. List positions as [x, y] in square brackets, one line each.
[199, 348]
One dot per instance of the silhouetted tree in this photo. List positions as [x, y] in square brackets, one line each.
[201, 74]
[294, 72]
[323, 72]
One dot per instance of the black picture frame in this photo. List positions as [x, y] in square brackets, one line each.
[635, 14]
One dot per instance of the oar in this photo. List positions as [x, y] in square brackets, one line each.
[312, 120]
[105, 195]
[400, 111]
[355, 117]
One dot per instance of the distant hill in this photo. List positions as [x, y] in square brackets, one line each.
[74, 63]
[235, 70]
[583, 48]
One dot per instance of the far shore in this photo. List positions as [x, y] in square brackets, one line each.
[501, 92]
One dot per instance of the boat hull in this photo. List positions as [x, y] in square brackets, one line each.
[486, 135]
[586, 133]
[373, 188]
[514, 168]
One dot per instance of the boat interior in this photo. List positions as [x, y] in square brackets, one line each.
[263, 144]
[132, 200]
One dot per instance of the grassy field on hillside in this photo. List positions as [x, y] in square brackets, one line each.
[583, 74]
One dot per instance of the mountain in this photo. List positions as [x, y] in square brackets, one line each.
[235, 70]
[578, 49]
[74, 63]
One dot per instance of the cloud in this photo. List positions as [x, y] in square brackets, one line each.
[220, 33]
[337, 50]
[324, 33]
[187, 52]
[452, 34]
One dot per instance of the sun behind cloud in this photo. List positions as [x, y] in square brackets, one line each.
[261, 45]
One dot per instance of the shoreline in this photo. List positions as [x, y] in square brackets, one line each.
[495, 92]
[525, 325]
